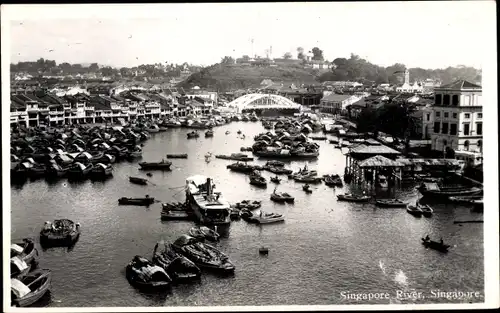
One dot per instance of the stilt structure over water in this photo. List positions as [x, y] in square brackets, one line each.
[365, 163]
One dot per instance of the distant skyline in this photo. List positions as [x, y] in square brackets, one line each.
[417, 34]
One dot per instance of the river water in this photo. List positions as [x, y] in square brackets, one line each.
[323, 248]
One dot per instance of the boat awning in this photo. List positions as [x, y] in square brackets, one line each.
[16, 248]
[101, 165]
[21, 265]
[19, 289]
[80, 165]
[379, 161]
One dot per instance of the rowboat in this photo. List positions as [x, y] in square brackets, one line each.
[391, 203]
[353, 198]
[439, 246]
[25, 250]
[144, 274]
[138, 180]
[31, 288]
[136, 201]
[63, 232]
[414, 210]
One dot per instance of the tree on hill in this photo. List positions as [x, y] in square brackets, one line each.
[227, 60]
[287, 55]
[300, 53]
[317, 54]
[94, 67]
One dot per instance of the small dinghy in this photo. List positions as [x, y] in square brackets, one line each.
[391, 203]
[28, 290]
[142, 273]
[193, 134]
[138, 180]
[172, 215]
[262, 217]
[61, 232]
[275, 180]
[281, 197]
[414, 210]
[353, 198]
[333, 180]
[204, 232]
[436, 245]
[307, 188]
[19, 268]
[427, 211]
[209, 133]
[146, 201]
[202, 254]
[25, 250]
[177, 266]
[258, 180]
[162, 165]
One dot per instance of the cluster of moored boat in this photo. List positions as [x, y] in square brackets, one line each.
[29, 283]
[76, 152]
[180, 261]
[284, 145]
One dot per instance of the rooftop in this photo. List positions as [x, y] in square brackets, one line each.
[379, 161]
[379, 149]
[459, 85]
[335, 97]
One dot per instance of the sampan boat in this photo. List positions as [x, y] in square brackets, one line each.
[136, 201]
[63, 232]
[439, 246]
[28, 290]
[25, 250]
[202, 254]
[353, 198]
[143, 274]
[391, 203]
[177, 266]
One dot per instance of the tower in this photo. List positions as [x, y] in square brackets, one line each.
[407, 77]
[252, 55]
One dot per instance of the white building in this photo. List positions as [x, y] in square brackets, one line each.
[458, 117]
[334, 103]
[407, 87]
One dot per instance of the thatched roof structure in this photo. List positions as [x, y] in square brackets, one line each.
[379, 161]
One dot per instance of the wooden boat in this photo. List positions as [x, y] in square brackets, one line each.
[202, 254]
[235, 214]
[177, 266]
[414, 210]
[427, 211]
[439, 246]
[177, 156]
[262, 218]
[102, 171]
[172, 215]
[258, 180]
[153, 129]
[28, 290]
[19, 268]
[353, 198]
[162, 165]
[138, 180]
[235, 157]
[193, 134]
[142, 273]
[79, 171]
[249, 204]
[391, 203]
[333, 180]
[243, 168]
[275, 163]
[209, 133]
[56, 171]
[275, 180]
[25, 250]
[308, 179]
[307, 188]
[278, 170]
[146, 201]
[63, 232]
[203, 232]
[282, 197]
[104, 158]
[434, 190]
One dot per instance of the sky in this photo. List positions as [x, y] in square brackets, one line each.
[418, 34]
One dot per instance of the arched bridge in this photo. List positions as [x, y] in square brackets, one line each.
[259, 101]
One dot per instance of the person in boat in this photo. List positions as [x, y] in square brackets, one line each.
[441, 241]
[276, 177]
[427, 238]
[306, 186]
